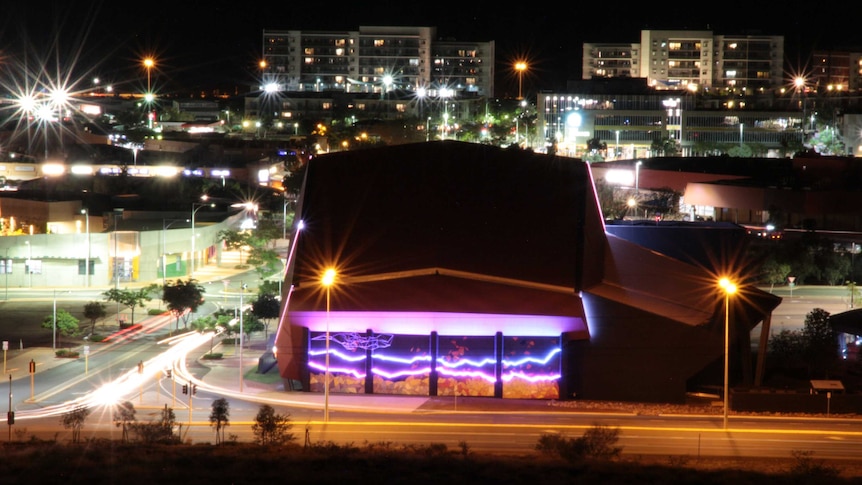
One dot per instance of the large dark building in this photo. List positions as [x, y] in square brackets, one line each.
[472, 270]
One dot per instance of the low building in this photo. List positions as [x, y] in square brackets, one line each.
[465, 269]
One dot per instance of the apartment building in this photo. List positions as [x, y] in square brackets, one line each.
[376, 59]
[683, 59]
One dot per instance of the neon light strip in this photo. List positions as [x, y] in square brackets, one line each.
[445, 369]
[425, 358]
[466, 324]
[427, 370]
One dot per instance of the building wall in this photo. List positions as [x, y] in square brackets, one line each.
[359, 61]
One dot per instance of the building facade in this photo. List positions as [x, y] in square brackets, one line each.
[630, 124]
[376, 60]
[691, 60]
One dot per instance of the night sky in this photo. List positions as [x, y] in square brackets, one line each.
[217, 43]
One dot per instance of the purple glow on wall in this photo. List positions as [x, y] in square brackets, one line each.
[466, 324]
[444, 367]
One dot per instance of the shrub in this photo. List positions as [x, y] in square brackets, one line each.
[805, 467]
[66, 354]
[212, 356]
[596, 443]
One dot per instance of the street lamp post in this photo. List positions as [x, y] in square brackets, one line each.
[520, 67]
[195, 208]
[327, 281]
[148, 64]
[165, 227]
[86, 213]
[638, 177]
[241, 290]
[29, 264]
[729, 289]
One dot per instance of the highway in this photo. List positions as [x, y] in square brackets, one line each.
[112, 374]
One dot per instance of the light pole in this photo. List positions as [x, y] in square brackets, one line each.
[29, 264]
[148, 64]
[729, 289]
[165, 227]
[638, 177]
[196, 206]
[86, 213]
[54, 333]
[327, 281]
[241, 290]
[520, 67]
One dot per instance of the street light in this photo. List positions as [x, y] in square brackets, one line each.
[327, 281]
[242, 287]
[86, 213]
[729, 289]
[638, 177]
[196, 206]
[29, 264]
[148, 64]
[520, 67]
[165, 227]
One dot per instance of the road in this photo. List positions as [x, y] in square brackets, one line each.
[481, 424]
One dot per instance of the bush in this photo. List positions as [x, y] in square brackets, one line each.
[213, 356]
[596, 443]
[66, 354]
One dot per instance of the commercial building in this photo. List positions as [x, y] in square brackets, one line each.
[464, 269]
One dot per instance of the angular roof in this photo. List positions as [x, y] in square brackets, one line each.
[463, 207]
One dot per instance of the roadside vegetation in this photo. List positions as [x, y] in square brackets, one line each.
[153, 452]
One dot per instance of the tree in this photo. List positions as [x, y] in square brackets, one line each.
[182, 297]
[821, 343]
[124, 415]
[220, 418]
[235, 241]
[265, 261]
[74, 420]
[67, 324]
[95, 310]
[266, 307]
[131, 299]
[270, 428]
[774, 272]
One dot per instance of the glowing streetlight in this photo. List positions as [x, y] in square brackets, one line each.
[520, 67]
[638, 177]
[195, 208]
[148, 64]
[327, 281]
[86, 213]
[729, 289]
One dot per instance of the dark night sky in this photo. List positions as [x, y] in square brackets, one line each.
[218, 43]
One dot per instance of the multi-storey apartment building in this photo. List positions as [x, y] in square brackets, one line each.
[376, 60]
[683, 59]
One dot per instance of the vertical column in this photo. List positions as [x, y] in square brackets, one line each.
[432, 376]
[369, 365]
[498, 367]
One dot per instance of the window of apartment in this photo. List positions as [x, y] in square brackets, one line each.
[379, 42]
[309, 60]
[361, 106]
[326, 106]
[730, 73]
[82, 265]
[309, 51]
[340, 42]
[5, 266]
[675, 46]
[339, 51]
